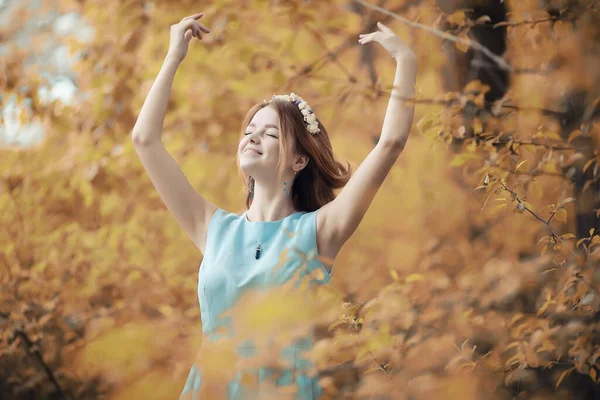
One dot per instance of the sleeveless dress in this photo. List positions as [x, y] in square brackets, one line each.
[229, 267]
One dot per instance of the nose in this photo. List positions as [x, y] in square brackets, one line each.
[254, 135]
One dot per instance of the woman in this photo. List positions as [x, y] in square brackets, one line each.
[286, 160]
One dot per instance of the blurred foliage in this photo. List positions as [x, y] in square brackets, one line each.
[480, 289]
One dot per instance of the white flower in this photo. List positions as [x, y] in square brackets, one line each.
[309, 117]
[313, 129]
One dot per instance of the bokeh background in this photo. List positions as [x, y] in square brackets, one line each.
[474, 274]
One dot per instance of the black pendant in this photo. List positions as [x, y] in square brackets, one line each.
[257, 254]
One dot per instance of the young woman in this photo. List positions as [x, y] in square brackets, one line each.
[287, 164]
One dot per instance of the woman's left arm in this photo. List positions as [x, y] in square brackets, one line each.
[399, 114]
[338, 219]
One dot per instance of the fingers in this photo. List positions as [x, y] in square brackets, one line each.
[384, 28]
[194, 16]
[365, 38]
[204, 28]
[196, 28]
[191, 23]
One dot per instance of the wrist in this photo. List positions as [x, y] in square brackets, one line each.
[405, 59]
[171, 58]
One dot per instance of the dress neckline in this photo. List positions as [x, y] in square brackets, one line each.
[245, 218]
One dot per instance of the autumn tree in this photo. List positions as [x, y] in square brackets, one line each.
[474, 274]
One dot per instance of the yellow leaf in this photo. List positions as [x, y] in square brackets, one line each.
[535, 189]
[552, 135]
[394, 275]
[593, 374]
[372, 370]
[520, 165]
[165, 310]
[568, 236]
[517, 317]
[561, 215]
[587, 164]
[457, 18]
[498, 208]
[463, 46]
[414, 278]
[550, 168]
[574, 135]
[361, 353]
[562, 376]
[461, 159]
[477, 126]
[425, 123]
[546, 346]
[510, 346]
[336, 323]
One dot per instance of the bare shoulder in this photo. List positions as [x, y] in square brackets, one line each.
[326, 244]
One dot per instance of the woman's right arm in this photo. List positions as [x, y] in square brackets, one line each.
[190, 209]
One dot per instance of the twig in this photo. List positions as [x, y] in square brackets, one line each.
[526, 22]
[516, 197]
[38, 356]
[444, 35]
[533, 173]
[535, 144]
[541, 110]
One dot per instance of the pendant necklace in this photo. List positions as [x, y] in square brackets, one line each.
[258, 247]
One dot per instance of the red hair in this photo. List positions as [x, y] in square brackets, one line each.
[313, 186]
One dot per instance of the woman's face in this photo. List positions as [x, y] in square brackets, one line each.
[258, 150]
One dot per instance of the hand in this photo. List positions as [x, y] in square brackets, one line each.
[182, 33]
[388, 39]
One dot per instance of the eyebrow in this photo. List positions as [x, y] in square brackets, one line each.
[266, 126]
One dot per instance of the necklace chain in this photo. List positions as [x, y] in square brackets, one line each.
[259, 247]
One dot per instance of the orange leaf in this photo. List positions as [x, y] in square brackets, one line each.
[563, 375]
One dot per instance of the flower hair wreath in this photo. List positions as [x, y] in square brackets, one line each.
[309, 116]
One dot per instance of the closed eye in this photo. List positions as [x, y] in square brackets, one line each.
[247, 133]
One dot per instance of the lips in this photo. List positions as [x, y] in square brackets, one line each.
[251, 149]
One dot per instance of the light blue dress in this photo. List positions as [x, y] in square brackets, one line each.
[229, 267]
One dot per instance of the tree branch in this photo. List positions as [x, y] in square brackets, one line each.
[516, 197]
[38, 356]
[444, 35]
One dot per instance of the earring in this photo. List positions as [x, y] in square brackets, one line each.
[251, 189]
[285, 189]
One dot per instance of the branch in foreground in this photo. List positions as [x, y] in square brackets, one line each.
[38, 356]
[444, 35]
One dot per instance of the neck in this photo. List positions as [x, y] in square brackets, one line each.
[272, 209]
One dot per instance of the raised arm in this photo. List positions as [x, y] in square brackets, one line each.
[189, 208]
[338, 220]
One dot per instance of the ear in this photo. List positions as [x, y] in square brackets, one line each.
[300, 162]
